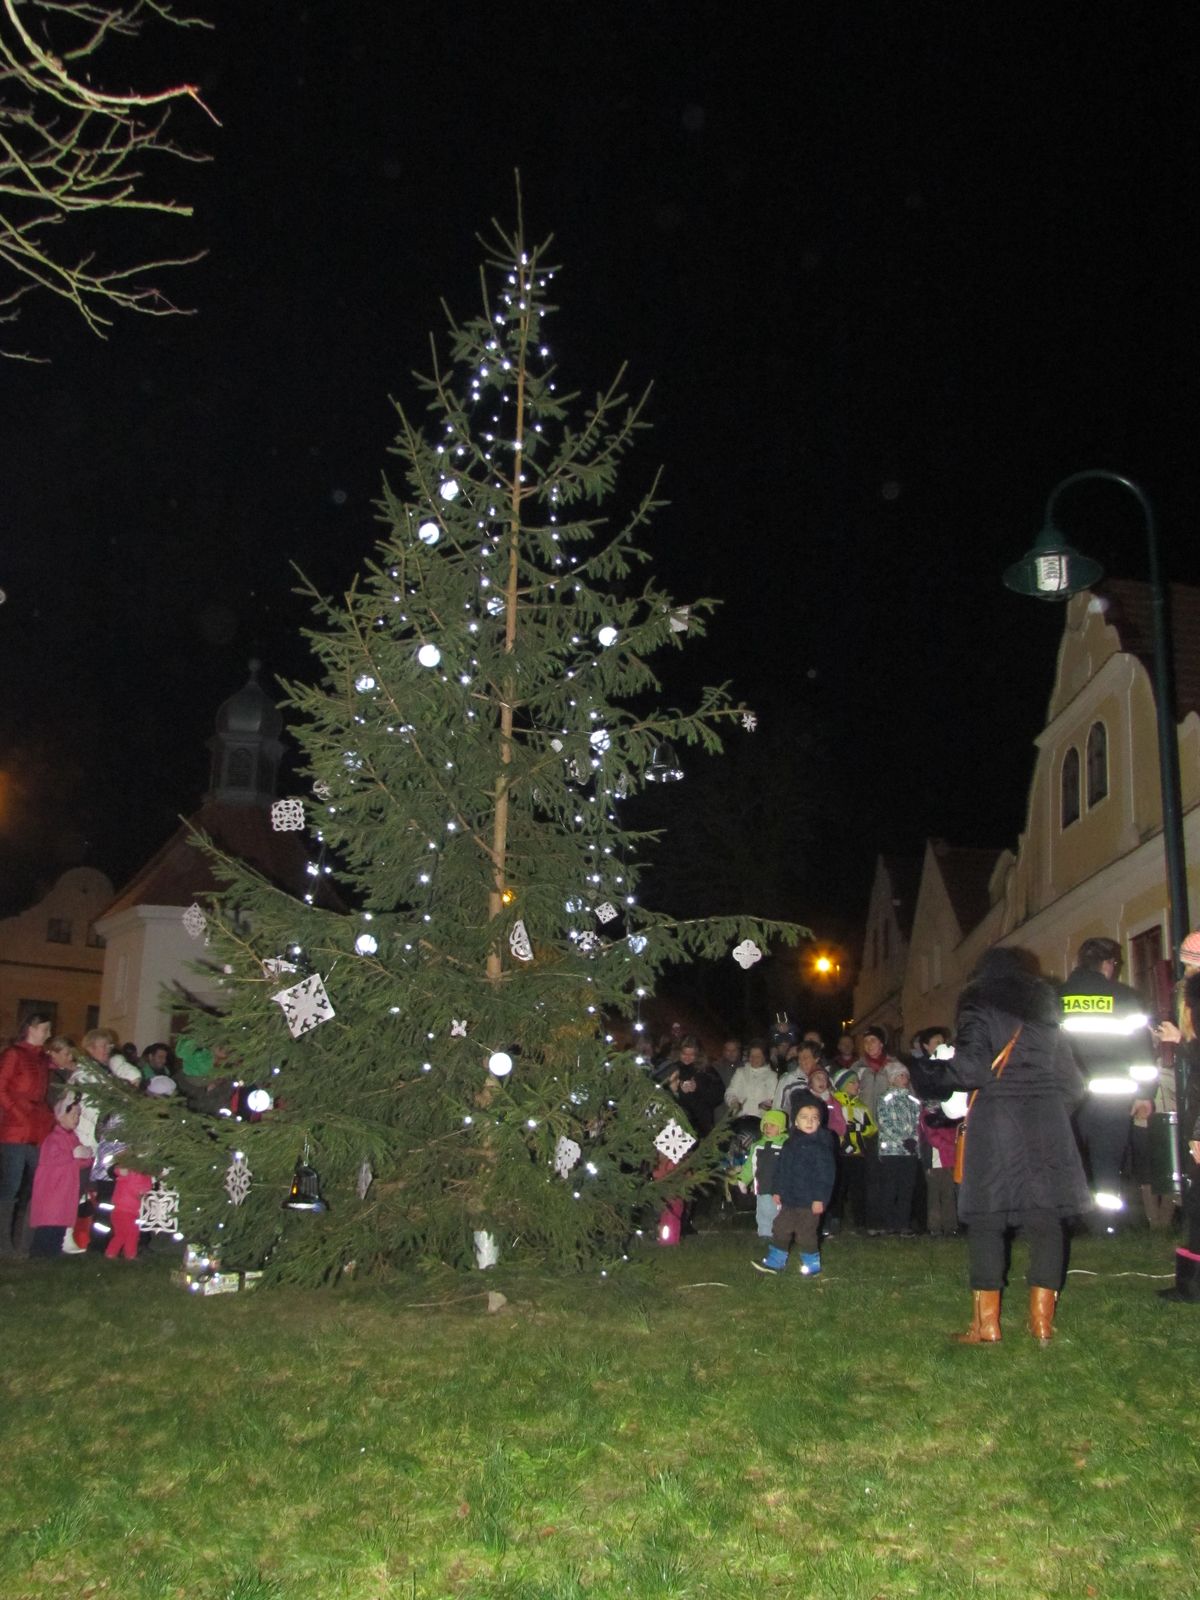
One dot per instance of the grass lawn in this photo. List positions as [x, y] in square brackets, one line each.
[688, 1429]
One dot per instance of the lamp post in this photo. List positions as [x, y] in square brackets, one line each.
[1053, 570]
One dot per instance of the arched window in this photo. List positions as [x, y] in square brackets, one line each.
[1070, 787]
[1097, 763]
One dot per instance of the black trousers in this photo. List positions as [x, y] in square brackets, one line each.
[1104, 1129]
[894, 1178]
[988, 1238]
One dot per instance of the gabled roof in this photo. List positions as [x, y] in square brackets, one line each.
[966, 874]
[179, 871]
[1128, 610]
[905, 875]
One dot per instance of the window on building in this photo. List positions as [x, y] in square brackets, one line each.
[58, 930]
[1097, 763]
[95, 941]
[45, 1008]
[93, 1018]
[1070, 787]
[1145, 969]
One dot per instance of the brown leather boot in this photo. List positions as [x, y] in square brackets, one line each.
[985, 1318]
[1041, 1314]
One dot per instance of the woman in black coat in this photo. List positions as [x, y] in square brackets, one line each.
[1021, 1168]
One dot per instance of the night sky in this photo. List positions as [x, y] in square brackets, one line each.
[893, 273]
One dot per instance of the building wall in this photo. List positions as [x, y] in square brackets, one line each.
[884, 957]
[1103, 874]
[148, 973]
[61, 972]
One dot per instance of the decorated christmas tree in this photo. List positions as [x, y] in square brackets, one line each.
[454, 1056]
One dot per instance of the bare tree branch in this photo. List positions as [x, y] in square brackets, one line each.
[70, 151]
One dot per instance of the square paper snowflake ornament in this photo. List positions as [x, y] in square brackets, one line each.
[159, 1211]
[566, 1154]
[674, 1142]
[287, 816]
[606, 912]
[519, 942]
[194, 921]
[305, 1005]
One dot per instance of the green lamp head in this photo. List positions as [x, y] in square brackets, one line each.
[1053, 569]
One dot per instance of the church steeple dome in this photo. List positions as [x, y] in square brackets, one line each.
[246, 746]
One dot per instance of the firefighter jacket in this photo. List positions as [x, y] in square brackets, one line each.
[1109, 1032]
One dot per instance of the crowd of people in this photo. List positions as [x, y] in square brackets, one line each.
[1037, 1110]
[1060, 1092]
[63, 1183]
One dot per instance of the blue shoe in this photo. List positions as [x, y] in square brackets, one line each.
[764, 1266]
[810, 1264]
[774, 1261]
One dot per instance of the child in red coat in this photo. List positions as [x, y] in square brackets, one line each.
[127, 1202]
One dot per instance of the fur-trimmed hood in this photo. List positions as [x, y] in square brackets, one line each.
[1004, 981]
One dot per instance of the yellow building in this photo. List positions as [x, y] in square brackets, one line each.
[1090, 859]
[51, 956]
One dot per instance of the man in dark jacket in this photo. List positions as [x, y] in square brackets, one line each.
[1109, 1034]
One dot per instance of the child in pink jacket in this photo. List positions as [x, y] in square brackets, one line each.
[54, 1204]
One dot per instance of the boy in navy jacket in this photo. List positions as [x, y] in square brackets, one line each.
[803, 1179]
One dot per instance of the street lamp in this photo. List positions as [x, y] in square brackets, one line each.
[1054, 570]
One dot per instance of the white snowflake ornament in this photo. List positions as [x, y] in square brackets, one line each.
[519, 942]
[749, 721]
[589, 943]
[159, 1211]
[746, 954]
[237, 1179]
[458, 1027]
[321, 789]
[606, 912]
[674, 1142]
[277, 967]
[194, 921]
[287, 816]
[680, 619]
[365, 1179]
[304, 1005]
[566, 1154]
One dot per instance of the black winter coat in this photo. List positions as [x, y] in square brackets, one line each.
[1021, 1153]
[806, 1168]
